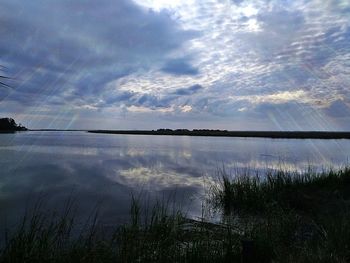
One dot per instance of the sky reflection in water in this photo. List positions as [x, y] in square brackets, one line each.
[107, 169]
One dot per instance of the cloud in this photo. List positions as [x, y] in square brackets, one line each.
[179, 67]
[188, 91]
[281, 21]
[142, 58]
[73, 49]
[237, 2]
[276, 98]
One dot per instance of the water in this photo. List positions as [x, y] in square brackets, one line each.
[107, 169]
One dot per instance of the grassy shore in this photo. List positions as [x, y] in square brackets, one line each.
[280, 217]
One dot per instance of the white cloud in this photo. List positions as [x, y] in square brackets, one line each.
[299, 96]
[185, 108]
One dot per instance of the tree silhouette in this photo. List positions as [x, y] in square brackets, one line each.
[9, 124]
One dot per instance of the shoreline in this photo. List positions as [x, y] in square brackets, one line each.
[326, 135]
[244, 134]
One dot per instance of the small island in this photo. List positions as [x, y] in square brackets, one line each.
[8, 125]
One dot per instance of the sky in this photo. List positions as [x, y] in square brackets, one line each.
[149, 64]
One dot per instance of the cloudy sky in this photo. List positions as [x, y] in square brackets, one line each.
[148, 64]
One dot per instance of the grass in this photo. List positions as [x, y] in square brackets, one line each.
[293, 217]
[307, 192]
[280, 217]
[159, 234]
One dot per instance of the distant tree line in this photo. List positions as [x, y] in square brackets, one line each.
[226, 133]
[186, 130]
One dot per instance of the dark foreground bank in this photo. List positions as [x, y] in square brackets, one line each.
[224, 133]
[281, 217]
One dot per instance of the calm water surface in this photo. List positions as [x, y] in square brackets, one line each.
[107, 169]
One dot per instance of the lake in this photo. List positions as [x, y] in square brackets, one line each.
[105, 170]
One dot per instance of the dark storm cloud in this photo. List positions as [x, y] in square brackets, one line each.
[237, 2]
[180, 67]
[151, 101]
[72, 49]
[188, 91]
[121, 97]
[137, 99]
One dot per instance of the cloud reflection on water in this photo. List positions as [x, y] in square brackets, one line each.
[108, 169]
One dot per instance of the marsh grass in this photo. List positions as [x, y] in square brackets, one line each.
[291, 216]
[304, 192]
[156, 233]
[280, 217]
